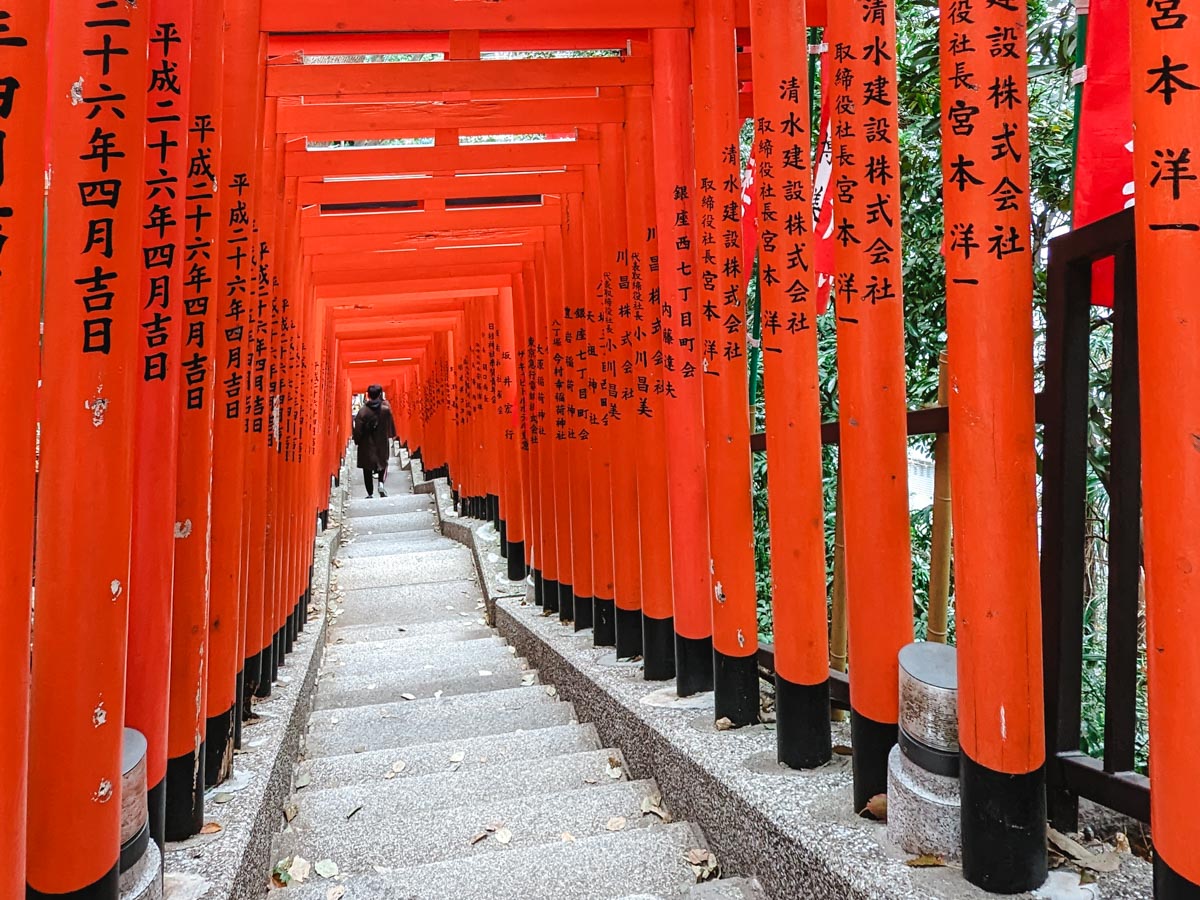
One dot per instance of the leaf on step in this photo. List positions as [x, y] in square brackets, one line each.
[409, 696]
[590, 780]
[876, 808]
[528, 679]
[568, 838]
[291, 811]
[504, 836]
[652, 806]
[337, 892]
[354, 812]
[614, 771]
[1081, 856]
[398, 766]
[482, 836]
[437, 695]
[335, 720]
[389, 776]
[279, 875]
[326, 868]
[299, 869]
[842, 750]
[723, 724]
[1121, 842]
[616, 823]
[303, 780]
[458, 757]
[223, 797]
[703, 863]
[927, 861]
[512, 650]
[484, 673]
[211, 828]
[551, 690]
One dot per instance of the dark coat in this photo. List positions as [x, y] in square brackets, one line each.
[374, 428]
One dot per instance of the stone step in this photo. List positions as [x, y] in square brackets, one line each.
[395, 502]
[639, 860]
[452, 681]
[409, 604]
[407, 723]
[428, 759]
[401, 569]
[380, 658]
[392, 523]
[421, 633]
[371, 838]
[724, 889]
[410, 541]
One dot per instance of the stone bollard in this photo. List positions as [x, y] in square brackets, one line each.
[141, 862]
[923, 792]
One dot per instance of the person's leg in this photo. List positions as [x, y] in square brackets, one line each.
[382, 479]
[368, 474]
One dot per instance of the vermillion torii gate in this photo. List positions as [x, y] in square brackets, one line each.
[560, 325]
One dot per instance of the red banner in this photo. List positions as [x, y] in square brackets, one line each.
[1104, 160]
[823, 204]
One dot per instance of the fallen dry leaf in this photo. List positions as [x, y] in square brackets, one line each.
[652, 806]
[503, 835]
[210, 828]
[876, 808]
[354, 812]
[1081, 856]
[337, 892]
[291, 811]
[614, 772]
[223, 797]
[299, 869]
[568, 838]
[409, 696]
[928, 861]
[616, 823]
[724, 723]
[398, 766]
[484, 673]
[842, 750]
[303, 780]
[1121, 842]
[551, 690]
[458, 757]
[703, 863]
[326, 868]
[482, 836]
[389, 776]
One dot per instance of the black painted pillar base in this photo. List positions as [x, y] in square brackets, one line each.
[629, 633]
[803, 737]
[517, 570]
[337, 481]
[324, 517]
[604, 623]
[156, 804]
[585, 614]
[504, 539]
[872, 742]
[239, 694]
[277, 656]
[107, 887]
[693, 665]
[658, 648]
[550, 594]
[218, 739]
[267, 673]
[539, 588]
[289, 632]
[1003, 828]
[735, 683]
[566, 602]
[185, 796]
[454, 497]
[494, 510]
[1170, 885]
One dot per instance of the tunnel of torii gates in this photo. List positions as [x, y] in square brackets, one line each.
[233, 251]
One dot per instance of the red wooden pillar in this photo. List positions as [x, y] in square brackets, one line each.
[509, 408]
[578, 474]
[674, 180]
[157, 427]
[597, 423]
[787, 280]
[647, 403]
[1166, 103]
[616, 347]
[22, 154]
[725, 386]
[96, 84]
[870, 320]
[226, 346]
[555, 536]
[184, 801]
[989, 280]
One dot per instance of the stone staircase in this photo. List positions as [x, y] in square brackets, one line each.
[437, 766]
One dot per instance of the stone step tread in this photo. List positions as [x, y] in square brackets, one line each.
[427, 759]
[404, 796]
[723, 889]
[428, 721]
[640, 860]
[377, 836]
[398, 654]
[418, 542]
[403, 605]
[398, 571]
[361, 690]
[444, 632]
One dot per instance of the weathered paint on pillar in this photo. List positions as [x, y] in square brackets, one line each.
[1166, 115]
[723, 362]
[97, 103]
[22, 178]
[157, 427]
[871, 387]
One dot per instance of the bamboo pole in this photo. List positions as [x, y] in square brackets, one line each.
[939, 560]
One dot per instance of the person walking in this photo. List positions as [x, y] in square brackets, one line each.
[374, 429]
